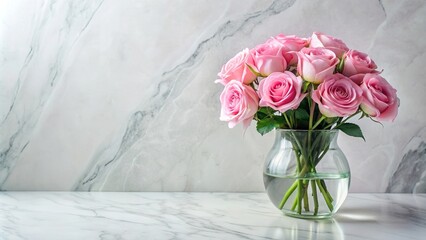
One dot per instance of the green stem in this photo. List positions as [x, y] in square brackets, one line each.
[311, 118]
[299, 146]
[293, 207]
[324, 151]
[318, 122]
[292, 188]
[299, 164]
[326, 190]
[346, 119]
[331, 124]
[308, 158]
[311, 113]
[300, 196]
[286, 119]
[326, 195]
[314, 194]
[287, 195]
[305, 196]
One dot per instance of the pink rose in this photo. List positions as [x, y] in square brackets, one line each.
[236, 69]
[291, 44]
[329, 42]
[337, 96]
[281, 91]
[380, 100]
[357, 78]
[357, 63]
[315, 64]
[239, 104]
[268, 58]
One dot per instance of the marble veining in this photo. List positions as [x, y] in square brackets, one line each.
[61, 215]
[410, 176]
[119, 96]
[167, 88]
[17, 124]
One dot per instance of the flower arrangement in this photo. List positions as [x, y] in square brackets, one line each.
[290, 82]
[314, 83]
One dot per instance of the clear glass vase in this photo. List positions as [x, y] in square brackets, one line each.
[306, 174]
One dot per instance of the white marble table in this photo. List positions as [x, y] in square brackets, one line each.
[83, 215]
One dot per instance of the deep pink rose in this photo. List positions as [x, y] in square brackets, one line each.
[356, 62]
[315, 64]
[239, 104]
[236, 69]
[337, 96]
[281, 91]
[268, 58]
[380, 100]
[290, 45]
[321, 40]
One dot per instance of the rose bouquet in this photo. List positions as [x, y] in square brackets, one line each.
[309, 84]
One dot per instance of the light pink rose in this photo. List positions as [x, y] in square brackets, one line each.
[291, 44]
[239, 104]
[356, 62]
[357, 78]
[236, 69]
[268, 58]
[321, 40]
[281, 91]
[315, 64]
[337, 96]
[380, 100]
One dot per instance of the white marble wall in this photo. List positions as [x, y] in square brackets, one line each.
[119, 95]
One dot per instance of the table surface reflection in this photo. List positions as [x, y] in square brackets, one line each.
[103, 215]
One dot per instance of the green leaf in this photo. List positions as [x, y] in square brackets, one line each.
[280, 121]
[264, 112]
[304, 104]
[266, 125]
[302, 114]
[261, 115]
[351, 129]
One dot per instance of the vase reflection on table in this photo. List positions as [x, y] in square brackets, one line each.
[296, 229]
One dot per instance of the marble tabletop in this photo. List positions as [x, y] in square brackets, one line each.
[107, 215]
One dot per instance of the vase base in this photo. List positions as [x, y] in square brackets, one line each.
[309, 215]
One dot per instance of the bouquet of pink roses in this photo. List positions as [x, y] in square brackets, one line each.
[314, 83]
[282, 81]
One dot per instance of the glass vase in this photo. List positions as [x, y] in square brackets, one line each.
[306, 175]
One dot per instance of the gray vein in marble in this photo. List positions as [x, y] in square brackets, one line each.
[383, 8]
[410, 176]
[18, 82]
[18, 141]
[140, 121]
